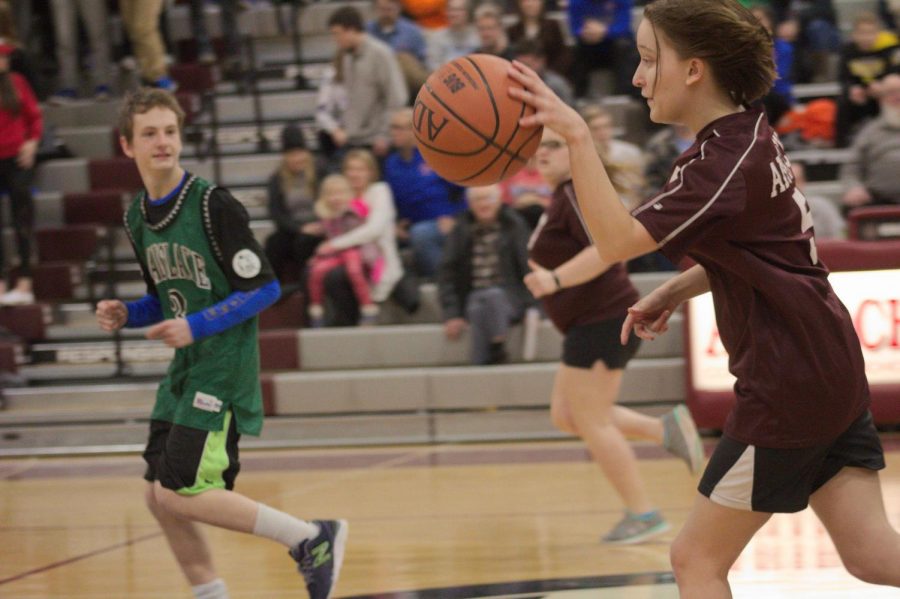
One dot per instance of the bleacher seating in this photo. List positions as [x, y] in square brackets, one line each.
[400, 382]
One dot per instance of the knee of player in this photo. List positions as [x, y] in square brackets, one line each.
[681, 557]
[872, 567]
[170, 501]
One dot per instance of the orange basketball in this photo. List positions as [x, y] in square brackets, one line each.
[467, 126]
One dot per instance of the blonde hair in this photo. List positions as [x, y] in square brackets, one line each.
[363, 156]
[322, 209]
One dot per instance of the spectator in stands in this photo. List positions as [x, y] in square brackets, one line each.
[661, 151]
[373, 80]
[530, 52]
[426, 203]
[491, 35]
[603, 40]
[291, 193]
[361, 169]
[812, 26]
[228, 11]
[480, 278]
[405, 39]
[430, 15]
[827, 219]
[457, 39]
[527, 192]
[20, 133]
[626, 157]
[534, 24]
[18, 59]
[141, 20]
[339, 213]
[331, 106]
[872, 175]
[780, 98]
[861, 65]
[95, 19]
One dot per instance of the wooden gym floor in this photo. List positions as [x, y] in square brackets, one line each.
[500, 520]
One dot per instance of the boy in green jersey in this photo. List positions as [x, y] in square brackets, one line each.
[207, 279]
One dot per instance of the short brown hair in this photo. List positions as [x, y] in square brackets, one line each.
[142, 101]
[725, 35]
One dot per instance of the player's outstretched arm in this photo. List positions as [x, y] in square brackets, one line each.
[111, 314]
[617, 235]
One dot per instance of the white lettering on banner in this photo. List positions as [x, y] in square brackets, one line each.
[873, 299]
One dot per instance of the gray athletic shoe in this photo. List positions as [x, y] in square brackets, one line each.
[680, 437]
[632, 529]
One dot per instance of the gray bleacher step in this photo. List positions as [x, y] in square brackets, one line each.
[82, 113]
[85, 330]
[82, 397]
[805, 91]
[822, 155]
[98, 352]
[237, 171]
[289, 105]
[88, 141]
[89, 372]
[418, 345]
[659, 380]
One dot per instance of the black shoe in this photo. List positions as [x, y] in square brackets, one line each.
[319, 559]
[498, 353]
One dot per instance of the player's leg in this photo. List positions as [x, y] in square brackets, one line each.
[197, 471]
[849, 502]
[851, 507]
[185, 539]
[591, 394]
[710, 542]
[560, 413]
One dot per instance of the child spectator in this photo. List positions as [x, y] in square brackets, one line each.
[340, 212]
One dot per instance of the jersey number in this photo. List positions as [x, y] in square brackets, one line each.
[806, 223]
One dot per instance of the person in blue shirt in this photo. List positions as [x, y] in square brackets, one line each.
[603, 40]
[404, 37]
[426, 204]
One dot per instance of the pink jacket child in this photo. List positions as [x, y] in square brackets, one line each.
[340, 212]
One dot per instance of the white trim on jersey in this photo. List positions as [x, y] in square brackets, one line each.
[570, 194]
[715, 196]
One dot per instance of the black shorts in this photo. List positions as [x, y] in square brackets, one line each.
[586, 343]
[760, 479]
[189, 460]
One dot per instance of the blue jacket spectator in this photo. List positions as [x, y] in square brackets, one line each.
[603, 40]
[616, 14]
[426, 203]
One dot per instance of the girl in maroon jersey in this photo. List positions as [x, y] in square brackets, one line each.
[801, 432]
[587, 301]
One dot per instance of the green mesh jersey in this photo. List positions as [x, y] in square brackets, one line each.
[220, 372]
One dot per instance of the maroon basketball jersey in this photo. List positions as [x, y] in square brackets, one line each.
[558, 237]
[731, 205]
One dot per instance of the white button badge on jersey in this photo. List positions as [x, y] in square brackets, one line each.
[246, 264]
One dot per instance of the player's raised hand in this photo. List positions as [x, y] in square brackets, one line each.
[550, 111]
[111, 314]
[174, 332]
[540, 281]
[649, 317]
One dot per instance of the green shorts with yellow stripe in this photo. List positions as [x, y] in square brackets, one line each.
[189, 460]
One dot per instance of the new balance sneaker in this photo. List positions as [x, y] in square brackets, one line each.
[319, 559]
[680, 437]
[635, 529]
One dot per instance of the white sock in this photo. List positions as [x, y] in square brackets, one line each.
[281, 527]
[211, 590]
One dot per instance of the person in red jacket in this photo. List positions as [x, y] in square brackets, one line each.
[20, 132]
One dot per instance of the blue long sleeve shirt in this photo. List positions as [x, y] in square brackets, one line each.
[420, 194]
